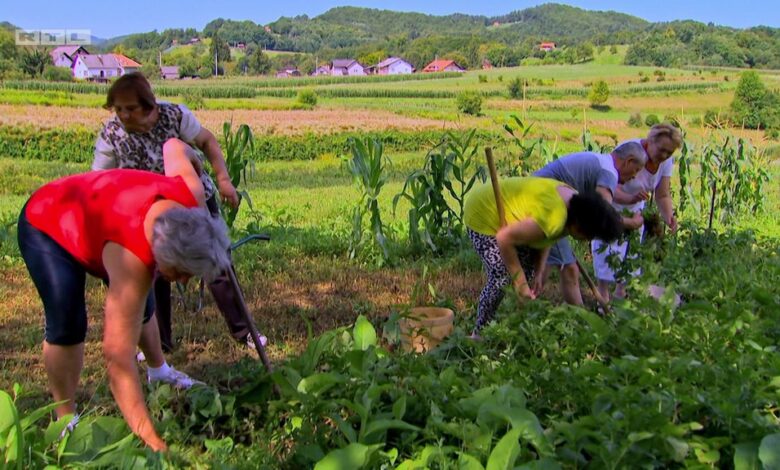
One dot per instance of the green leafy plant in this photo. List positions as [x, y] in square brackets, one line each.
[450, 169]
[469, 102]
[307, 96]
[237, 148]
[731, 178]
[368, 167]
[651, 120]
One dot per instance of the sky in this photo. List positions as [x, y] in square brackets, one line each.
[109, 18]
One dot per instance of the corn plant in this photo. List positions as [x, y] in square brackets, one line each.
[368, 168]
[237, 147]
[519, 132]
[730, 181]
[450, 169]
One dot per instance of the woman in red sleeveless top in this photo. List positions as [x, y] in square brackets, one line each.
[118, 225]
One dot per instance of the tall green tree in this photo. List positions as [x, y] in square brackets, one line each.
[754, 106]
[33, 60]
[219, 48]
[257, 62]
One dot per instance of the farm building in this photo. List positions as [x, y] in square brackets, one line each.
[547, 46]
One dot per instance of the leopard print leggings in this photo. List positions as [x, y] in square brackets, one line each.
[497, 274]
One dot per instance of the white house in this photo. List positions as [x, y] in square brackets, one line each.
[346, 67]
[63, 56]
[103, 66]
[394, 66]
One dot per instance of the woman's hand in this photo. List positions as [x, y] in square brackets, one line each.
[640, 196]
[156, 444]
[538, 283]
[522, 288]
[228, 192]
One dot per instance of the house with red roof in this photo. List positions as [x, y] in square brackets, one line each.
[547, 46]
[103, 66]
[443, 65]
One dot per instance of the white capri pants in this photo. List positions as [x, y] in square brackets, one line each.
[601, 251]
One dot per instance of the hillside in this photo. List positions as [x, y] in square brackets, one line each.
[563, 21]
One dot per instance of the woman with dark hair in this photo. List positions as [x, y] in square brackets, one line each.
[539, 211]
[118, 225]
[134, 138]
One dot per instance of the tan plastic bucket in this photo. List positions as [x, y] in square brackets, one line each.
[425, 328]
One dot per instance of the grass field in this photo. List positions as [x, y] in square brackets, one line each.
[673, 387]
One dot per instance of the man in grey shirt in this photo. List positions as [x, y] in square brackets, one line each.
[588, 171]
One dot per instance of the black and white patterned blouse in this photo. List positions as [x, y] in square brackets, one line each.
[117, 148]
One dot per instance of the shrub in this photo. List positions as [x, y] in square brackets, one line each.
[515, 88]
[307, 97]
[635, 120]
[469, 102]
[599, 93]
[651, 120]
[482, 78]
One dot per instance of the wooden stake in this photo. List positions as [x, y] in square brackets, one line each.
[496, 189]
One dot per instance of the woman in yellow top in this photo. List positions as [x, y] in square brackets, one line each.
[538, 212]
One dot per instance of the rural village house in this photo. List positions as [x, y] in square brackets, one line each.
[393, 66]
[321, 70]
[443, 65]
[346, 67]
[547, 46]
[103, 66]
[63, 56]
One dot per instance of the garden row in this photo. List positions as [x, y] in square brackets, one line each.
[244, 91]
[77, 144]
[549, 387]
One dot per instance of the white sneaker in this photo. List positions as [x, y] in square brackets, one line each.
[176, 378]
[70, 426]
[140, 357]
[251, 344]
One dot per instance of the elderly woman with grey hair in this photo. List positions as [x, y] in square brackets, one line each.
[118, 225]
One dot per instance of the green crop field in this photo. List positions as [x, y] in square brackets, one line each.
[653, 385]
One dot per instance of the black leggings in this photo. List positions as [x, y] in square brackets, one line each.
[497, 274]
[60, 280]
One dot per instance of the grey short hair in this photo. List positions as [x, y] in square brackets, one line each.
[192, 241]
[631, 150]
